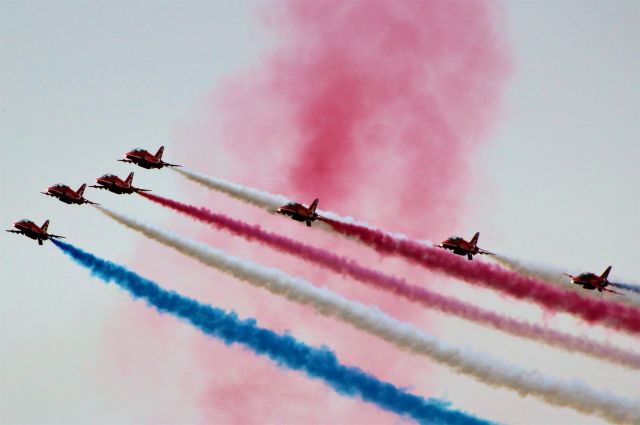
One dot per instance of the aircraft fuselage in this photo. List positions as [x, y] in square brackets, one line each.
[65, 197]
[298, 212]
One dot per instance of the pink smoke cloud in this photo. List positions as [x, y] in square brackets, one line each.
[375, 108]
[367, 95]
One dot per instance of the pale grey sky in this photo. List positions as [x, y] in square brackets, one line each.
[564, 161]
[82, 82]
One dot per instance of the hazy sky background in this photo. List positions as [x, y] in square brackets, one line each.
[82, 82]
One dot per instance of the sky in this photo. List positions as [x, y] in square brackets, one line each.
[549, 175]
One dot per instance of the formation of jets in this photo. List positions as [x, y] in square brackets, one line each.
[108, 182]
[294, 210]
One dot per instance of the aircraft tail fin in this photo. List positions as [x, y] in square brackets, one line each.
[81, 189]
[45, 226]
[605, 275]
[129, 179]
[474, 239]
[313, 206]
[159, 153]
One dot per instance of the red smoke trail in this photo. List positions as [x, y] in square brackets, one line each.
[609, 313]
[399, 286]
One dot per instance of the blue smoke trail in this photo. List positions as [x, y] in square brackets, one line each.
[627, 286]
[285, 350]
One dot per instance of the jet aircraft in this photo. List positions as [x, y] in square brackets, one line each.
[68, 195]
[299, 212]
[33, 231]
[114, 184]
[592, 281]
[461, 247]
[146, 160]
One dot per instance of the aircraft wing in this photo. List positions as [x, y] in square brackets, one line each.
[48, 194]
[99, 187]
[611, 290]
[125, 160]
[166, 164]
[141, 190]
[86, 201]
[484, 251]
[55, 236]
[14, 231]
[602, 288]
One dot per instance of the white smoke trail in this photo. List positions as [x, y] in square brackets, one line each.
[256, 197]
[271, 202]
[574, 394]
[555, 276]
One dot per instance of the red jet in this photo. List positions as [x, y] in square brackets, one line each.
[144, 159]
[114, 184]
[68, 195]
[592, 281]
[461, 247]
[33, 231]
[299, 212]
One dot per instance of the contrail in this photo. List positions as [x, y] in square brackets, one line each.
[556, 277]
[606, 312]
[284, 350]
[400, 287]
[575, 394]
